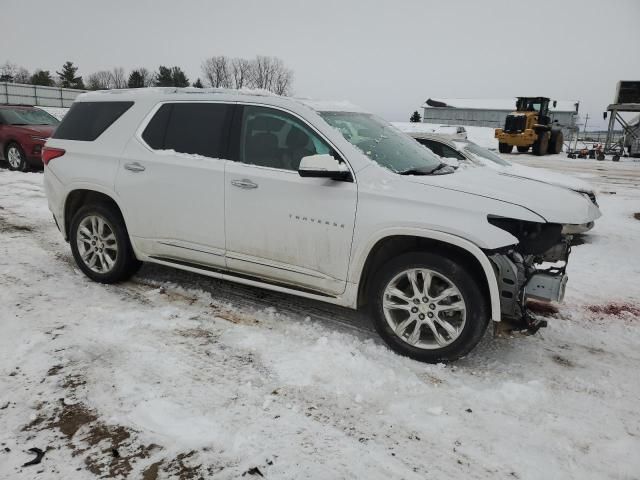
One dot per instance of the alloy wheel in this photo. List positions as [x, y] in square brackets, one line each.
[424, 308]
[97, 244]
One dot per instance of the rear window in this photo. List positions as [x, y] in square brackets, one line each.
[195, 128]
[86, 121]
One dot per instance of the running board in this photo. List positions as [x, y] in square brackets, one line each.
[243, 276]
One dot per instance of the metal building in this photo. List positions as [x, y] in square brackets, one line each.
[491, 112]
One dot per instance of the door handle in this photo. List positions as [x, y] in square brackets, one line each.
[244, 183]
[134, 167]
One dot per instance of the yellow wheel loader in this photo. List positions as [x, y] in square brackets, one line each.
[530, 127]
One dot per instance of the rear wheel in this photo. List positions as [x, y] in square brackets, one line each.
[100, 244]
[505, 147]
[541, 145]
[427, 307]
[556, 143]
[524, 149]
[16, 157]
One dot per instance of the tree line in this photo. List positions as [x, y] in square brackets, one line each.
[262, 72]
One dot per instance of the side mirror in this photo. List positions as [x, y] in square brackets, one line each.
[555, 102]
[323, 166]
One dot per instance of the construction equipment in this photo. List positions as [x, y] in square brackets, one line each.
[530, 126]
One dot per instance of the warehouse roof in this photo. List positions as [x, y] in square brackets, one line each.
[492, 104]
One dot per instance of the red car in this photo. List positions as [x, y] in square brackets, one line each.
[23, 131]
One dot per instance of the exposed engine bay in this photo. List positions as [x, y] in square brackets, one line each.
[534, 269]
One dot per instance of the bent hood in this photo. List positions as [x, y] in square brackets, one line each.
[553, 203]
[544, 175]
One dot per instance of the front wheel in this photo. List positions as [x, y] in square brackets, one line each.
[505, 147]
[100, 244]
[428, 307]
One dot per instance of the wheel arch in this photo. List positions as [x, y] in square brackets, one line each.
[78, 197]
[392, 244]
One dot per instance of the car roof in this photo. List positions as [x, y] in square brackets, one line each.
[164, 94]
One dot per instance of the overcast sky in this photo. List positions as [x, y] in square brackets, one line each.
[387, 56]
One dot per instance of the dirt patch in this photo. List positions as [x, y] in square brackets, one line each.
[7, 226]
[636, 216]
[615, 309]
[560, 360]
[545, 309]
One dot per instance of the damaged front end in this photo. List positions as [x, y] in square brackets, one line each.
[532, 270]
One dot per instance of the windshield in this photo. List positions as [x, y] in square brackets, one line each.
[485, 154]
[383, 143]
[27, 116]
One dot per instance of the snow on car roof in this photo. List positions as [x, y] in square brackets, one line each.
[190, 92]
[331, 105]
[498, 104]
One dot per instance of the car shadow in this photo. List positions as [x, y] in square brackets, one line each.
[253, 299]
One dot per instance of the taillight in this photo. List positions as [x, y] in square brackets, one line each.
[49, 153]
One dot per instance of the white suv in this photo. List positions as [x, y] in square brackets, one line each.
[318, 200]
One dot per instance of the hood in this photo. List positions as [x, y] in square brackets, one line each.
[554, 204]
[41, 130]
[544, 175]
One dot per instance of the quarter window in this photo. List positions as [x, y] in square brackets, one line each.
[272, 138]
[86, 121]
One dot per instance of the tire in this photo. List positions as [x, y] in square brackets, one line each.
[504, 147]
[541, 145]
[16, 158]
[468, 324]
[599, 156]
[616, 158]
[523, 149]
[115, 261]
[556, 143]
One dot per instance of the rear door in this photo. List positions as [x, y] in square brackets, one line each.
[171, 179]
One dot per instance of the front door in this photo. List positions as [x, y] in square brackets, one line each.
[280, 226]
[172, 183]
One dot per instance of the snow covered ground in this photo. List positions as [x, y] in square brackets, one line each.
[174, 375]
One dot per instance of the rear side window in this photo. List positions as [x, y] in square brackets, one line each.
[86, 121]
[194, 128]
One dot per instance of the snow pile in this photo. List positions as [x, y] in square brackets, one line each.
[193, 377]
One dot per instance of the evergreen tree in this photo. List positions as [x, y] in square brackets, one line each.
[179, 77]
[197, 84]
[171, 77]
[136, 80]
[68, 77]
[42, 77]
[415, 117]
[164, 77]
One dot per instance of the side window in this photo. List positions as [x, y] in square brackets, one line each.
[86, 121]
[449, 152]
[435, 147]
[193, 128]
[272, 138]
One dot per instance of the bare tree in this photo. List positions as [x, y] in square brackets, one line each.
[8, 72]
[22, 75]
[216, 71]
[118, 78]
[241, 72]
[148, 77]
[283, 80]
[102, 80]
